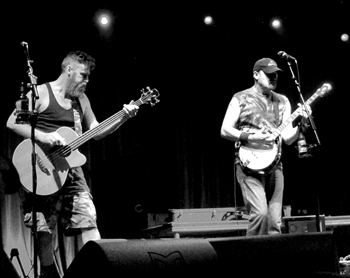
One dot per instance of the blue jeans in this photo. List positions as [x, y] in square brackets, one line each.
[263, 196]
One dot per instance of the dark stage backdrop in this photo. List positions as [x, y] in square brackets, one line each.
[171, 155]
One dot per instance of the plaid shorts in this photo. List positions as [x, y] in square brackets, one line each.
[74, 212]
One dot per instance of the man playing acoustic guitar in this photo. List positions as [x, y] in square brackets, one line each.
[62, 104]
[254, 119]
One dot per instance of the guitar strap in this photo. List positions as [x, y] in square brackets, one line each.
[77, 116]
[275, 108]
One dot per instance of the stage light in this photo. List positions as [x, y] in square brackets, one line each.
[276, 23]
[345, 37]
[208, 20]
[104, 20]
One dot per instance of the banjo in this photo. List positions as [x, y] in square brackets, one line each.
[263, 158]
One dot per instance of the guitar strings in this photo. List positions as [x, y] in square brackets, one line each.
[66, 150]
[92, 132]
[325, 87]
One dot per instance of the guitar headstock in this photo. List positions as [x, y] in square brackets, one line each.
[150, 96]
[326, 87]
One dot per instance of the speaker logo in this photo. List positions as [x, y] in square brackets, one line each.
[174, 259]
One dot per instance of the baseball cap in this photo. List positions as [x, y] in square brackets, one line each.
[267, 65]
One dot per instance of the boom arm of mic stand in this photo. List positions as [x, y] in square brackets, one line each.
[32, 78]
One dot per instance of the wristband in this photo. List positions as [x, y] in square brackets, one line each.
[243, 137]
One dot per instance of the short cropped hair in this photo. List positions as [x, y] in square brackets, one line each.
[78, 57]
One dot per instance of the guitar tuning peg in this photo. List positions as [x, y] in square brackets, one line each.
[143, 89]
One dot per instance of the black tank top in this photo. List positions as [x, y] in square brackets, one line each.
[54, 116]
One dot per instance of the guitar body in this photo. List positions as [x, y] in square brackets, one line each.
[51, 171]
[259, 159]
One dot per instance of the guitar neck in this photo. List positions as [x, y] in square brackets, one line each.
[75, 144]
[290, 119]
[325, 88]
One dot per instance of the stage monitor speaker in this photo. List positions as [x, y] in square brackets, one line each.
[6, 267]
[286, 255]
[304, 224]
[155, 257]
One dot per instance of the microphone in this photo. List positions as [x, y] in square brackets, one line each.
[285, 56]
[26, 50]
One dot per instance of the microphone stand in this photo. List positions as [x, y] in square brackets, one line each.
[15, 253]
[32, 121]
[318, 224]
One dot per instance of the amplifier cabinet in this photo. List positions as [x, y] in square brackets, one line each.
[303, 224]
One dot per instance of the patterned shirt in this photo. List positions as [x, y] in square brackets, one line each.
[258, 111]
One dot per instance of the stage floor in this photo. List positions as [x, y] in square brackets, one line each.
[234, 227]
[339, 225]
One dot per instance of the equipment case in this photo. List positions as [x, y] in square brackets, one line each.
[206, 214]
